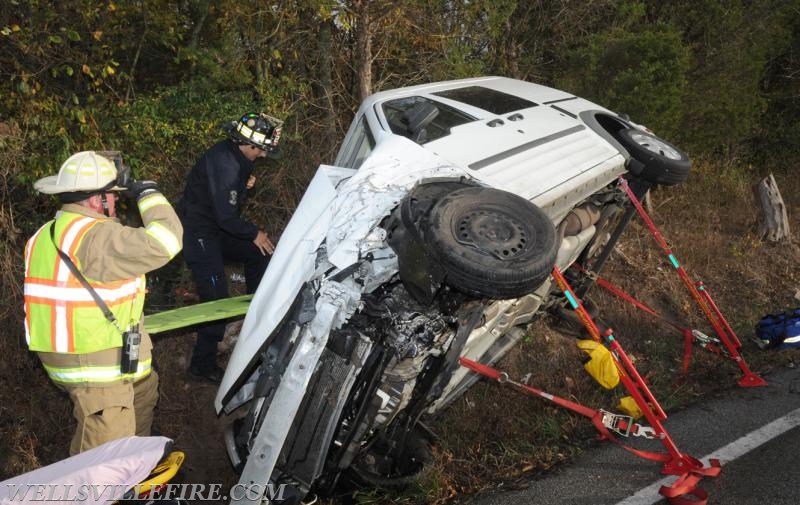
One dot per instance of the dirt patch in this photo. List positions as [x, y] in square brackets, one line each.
[186, 413]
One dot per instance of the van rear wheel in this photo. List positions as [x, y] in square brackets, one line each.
[664, 163]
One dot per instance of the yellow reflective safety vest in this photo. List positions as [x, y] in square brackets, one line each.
[60, 314]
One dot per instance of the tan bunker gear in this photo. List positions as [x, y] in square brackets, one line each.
[79, 348]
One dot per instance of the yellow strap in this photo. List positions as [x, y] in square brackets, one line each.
[627, 405]
[162, 473]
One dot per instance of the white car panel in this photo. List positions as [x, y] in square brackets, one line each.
[395, 166]
[292, 264]
[548, 156]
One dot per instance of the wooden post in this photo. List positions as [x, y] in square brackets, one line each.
[773, 222]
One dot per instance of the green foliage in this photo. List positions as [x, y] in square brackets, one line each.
[642, 74]
[538, 36]
[777, 135]
[468, 30]
[162, 135]
[731, 42]
[155, 78]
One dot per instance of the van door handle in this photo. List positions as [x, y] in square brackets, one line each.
[495, 122]
[516, 117]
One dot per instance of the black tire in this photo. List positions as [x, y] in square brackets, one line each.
[378, 466]
[491, 243]
[664, 163]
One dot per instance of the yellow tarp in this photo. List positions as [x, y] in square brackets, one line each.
[601, 364]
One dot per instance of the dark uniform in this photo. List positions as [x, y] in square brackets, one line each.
[214, 233]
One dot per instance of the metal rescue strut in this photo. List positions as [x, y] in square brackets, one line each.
[702, 297]
[690, 470]
[690, 335]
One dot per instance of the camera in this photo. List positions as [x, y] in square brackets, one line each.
[124, 177]
[130, 351]
[123, 171]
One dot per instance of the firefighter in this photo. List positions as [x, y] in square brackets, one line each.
[214, 231]
[84, 294]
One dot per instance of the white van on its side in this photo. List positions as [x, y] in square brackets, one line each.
[432, 237]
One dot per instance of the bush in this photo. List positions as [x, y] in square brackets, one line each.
[642, 74]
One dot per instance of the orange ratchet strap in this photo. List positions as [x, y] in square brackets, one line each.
[690, 470]
[690, 335]
[607, 422]
[701, 297]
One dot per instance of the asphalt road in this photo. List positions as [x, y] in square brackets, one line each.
[754, 432]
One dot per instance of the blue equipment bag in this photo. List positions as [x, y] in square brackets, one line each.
[779, 331]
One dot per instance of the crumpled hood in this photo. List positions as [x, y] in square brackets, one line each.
[343, 218]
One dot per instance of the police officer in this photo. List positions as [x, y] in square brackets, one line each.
[215, 233]
[79, 338]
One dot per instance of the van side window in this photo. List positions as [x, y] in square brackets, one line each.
[491, 100]
[358, 147]
[421, 119]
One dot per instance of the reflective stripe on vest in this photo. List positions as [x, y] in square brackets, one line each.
[147, 202]
[60, 314]
[162, 234]
[165, 237]
[97, 373]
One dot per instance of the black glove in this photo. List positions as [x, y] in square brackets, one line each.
[137, 189]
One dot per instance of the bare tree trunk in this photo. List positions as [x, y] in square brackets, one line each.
[773, 219]
[507, 54]
[325, 76]
[262, 65]
[130, 93]
[199, 15]
[364, 49]
[198, 12]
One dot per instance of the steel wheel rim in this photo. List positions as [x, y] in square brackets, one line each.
[656, 145]
[492, 232]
